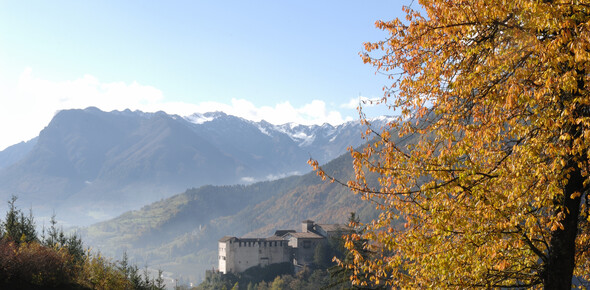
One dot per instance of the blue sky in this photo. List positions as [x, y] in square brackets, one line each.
[283, 61]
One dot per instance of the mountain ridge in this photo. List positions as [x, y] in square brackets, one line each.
[180, 233]
[104, 163]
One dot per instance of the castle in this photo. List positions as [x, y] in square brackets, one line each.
[238, 254]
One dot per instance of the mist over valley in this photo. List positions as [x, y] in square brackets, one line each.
[164, 188]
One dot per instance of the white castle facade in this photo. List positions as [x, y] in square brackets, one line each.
[238, 254]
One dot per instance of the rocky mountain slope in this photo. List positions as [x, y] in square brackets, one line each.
[89, 165]
[180, 234]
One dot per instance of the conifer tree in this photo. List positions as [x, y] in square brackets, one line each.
[17, 226]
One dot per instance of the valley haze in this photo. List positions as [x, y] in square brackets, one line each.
[88, 165]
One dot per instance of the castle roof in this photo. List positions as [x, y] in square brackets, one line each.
[251, 239]
[226, 238]
[275, 238]
[307, 235]
[334, 227]
[280, 233]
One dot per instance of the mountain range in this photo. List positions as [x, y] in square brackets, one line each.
[180, 234]
[88, 165]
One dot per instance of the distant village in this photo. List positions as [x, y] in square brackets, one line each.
[238, 254]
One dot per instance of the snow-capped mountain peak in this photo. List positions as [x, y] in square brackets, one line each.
[200, 118]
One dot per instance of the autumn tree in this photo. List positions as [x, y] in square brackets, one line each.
[494, 192]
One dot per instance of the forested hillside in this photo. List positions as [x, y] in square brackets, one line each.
[180, 234]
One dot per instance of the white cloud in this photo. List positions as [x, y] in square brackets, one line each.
[312, 113]
[269, 177]
[365, 102]
[29, 105]
[281, 113]
[84, 92]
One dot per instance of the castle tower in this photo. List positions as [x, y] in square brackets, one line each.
[306, 226]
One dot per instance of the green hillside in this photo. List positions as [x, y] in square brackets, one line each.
[179, 234]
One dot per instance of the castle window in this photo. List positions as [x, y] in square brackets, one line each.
[306, 244]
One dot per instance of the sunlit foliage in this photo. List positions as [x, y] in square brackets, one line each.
[495, 192]
[56, 260]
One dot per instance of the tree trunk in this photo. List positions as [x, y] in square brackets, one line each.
[561, 257]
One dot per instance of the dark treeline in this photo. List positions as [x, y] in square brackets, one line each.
[55, 260]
